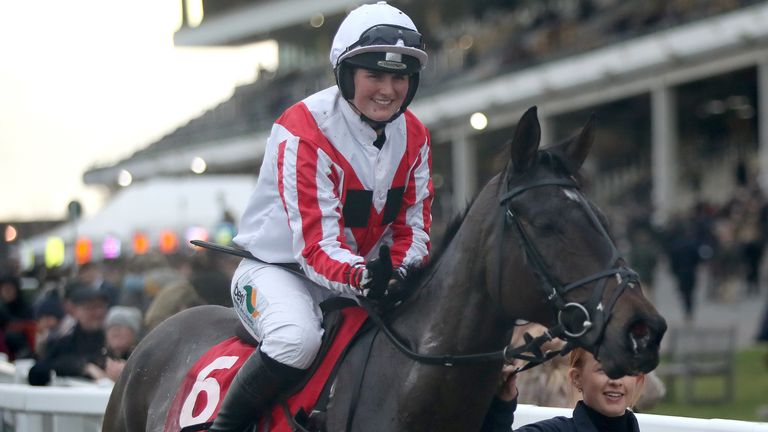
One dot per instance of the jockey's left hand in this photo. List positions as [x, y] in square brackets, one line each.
[377, 275]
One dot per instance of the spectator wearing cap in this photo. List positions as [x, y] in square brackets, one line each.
[49, 314]
[68, 322]
[123, 328]
[80, 352]
[91, 275]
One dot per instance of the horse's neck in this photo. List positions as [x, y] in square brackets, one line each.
[452, 308]
[452, 314]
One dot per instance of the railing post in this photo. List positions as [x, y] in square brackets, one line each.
[30, 422]
[663, 151]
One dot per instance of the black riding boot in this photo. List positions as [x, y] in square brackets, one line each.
[254, 388]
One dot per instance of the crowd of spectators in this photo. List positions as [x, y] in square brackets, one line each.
[465, 46]
[717, 248]
[503, 36]
[84, 326]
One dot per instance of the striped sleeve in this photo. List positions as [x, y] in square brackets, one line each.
[309, 188]
[410, 230]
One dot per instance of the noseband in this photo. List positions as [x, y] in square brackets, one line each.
[596, 314]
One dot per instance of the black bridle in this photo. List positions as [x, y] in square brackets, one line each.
[595, 314]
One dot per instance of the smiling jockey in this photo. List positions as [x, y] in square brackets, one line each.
[345, 171]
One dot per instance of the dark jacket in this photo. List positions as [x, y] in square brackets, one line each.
[69, 354]
[501, 415]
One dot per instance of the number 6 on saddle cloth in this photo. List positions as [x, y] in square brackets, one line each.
[199, 397]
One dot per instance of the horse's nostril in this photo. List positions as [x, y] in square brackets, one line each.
[639, 336]
[639, 330]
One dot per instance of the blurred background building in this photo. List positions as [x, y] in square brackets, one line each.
[673, 84]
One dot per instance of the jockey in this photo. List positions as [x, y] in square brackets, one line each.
[345, 171]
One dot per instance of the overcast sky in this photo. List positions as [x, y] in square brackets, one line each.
[85, 82]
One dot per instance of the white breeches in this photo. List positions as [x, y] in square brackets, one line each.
[281, 310]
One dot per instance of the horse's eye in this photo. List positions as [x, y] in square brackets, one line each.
[546, 228]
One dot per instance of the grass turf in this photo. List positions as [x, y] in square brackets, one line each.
[750, 393]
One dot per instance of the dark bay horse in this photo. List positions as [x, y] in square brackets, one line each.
[529, 247]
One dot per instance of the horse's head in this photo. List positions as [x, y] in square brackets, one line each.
[583, 284]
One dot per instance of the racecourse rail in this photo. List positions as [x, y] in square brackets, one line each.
[67, 409]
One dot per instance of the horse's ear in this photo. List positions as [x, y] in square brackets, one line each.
[525, 144]
[577, 149]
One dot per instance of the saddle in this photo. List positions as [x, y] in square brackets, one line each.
[301, 408]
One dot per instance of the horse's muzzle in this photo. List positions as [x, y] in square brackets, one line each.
[636, 350]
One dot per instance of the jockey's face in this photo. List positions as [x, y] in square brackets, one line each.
[379, 95]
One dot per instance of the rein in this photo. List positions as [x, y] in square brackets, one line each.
[507, 354]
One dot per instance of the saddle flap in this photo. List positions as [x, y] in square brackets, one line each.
[201, 392]
[333, 318]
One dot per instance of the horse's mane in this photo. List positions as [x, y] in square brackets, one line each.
[415, 273]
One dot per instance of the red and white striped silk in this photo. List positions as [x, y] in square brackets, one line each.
[327, 198]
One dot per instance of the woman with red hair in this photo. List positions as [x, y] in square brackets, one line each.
[605, 403]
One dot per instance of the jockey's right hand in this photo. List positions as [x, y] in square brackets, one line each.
[376, 275]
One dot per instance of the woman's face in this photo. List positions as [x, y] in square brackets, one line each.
[607, 396]
[379, 95]
[120, 338]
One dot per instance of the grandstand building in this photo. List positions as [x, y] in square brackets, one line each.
[675, 86]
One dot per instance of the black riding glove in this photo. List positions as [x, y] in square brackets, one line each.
[377, 275]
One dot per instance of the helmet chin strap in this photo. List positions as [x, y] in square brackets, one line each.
[375, 124]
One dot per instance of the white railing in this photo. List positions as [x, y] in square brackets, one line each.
[648, 422]
[67, 409]
[52, 409]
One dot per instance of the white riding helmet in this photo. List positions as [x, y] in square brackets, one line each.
[378, 37]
